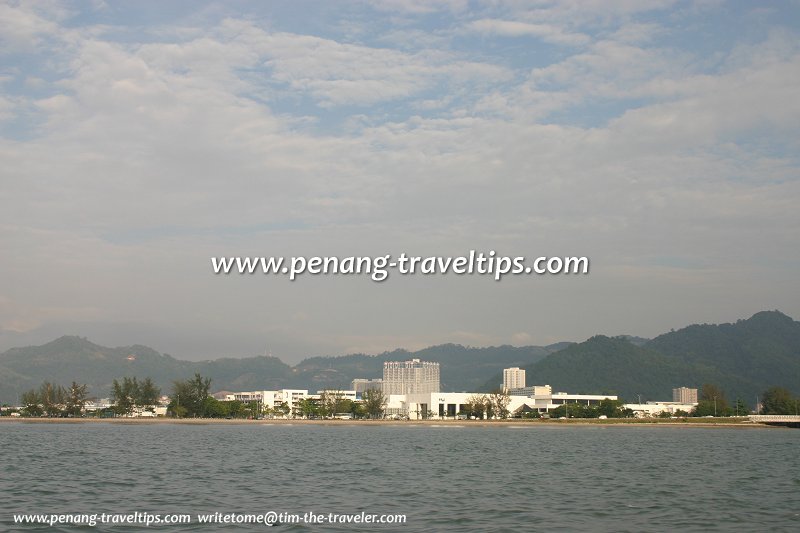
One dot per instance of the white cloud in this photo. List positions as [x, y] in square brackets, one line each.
[145, 157]
[546, 32]
[22, 28]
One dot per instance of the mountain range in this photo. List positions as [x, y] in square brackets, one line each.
[744, 358]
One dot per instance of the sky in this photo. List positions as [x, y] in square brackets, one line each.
[139, 139]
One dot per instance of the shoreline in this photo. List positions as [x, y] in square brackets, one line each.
[514, 423]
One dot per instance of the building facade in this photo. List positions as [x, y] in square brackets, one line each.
[449, 405]
[271, 399]
[534, 390]
[410, 377]
[684, 395]
[361, 385]
[513, 378]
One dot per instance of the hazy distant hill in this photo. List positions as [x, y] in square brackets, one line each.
[461, 368]
[75, 358]
[744, 359]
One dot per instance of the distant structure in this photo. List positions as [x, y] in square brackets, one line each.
[410, 377]
[513, 378]
[361, 385]
[535, 390]
[684, 395]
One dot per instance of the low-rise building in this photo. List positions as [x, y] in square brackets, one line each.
[651, 409]
[271, 399]
[361, 385]
[448, 405]
[535, 390]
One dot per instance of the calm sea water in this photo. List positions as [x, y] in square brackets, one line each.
[539, 478]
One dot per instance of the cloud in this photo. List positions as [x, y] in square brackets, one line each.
[22, 27]
[546, 32]
[135, 157]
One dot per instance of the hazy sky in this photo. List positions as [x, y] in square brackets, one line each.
[138, 139]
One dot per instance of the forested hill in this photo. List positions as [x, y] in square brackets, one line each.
[748, 355]
[461, 368]
[743, 358]
[72, 358]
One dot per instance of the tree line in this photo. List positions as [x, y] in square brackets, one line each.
[190, 398]
[774, 401]
[52, 400]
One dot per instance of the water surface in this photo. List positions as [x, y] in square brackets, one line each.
[522, 478]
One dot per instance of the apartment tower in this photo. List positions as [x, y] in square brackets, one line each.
[513, 378]
[684, 395]
[410, 377]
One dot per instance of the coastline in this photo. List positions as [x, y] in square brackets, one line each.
[515, 423]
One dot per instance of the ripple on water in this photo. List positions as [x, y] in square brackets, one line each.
[472, 479]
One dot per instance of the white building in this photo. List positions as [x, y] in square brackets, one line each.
[535, 390]
[270, 399]
[513, 378]
[547, 402]
[650, 409]
[449, 405]
[343, 394]
[410, 377]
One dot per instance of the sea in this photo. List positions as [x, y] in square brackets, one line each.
[448, 477]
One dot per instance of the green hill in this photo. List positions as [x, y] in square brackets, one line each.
[461, 368]
[744, 359]
[75, 358]
[749, 355]
[605, 365]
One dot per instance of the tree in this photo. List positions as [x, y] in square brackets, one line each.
[374, 402]
[215, 408]
[76, 399]
[359, 411]
[147, 395]
[611, 408]
[190, 394]
[124, 395]
[778, 401]
[740, 408]
[499, 400]
[132, 394]
[331, 402]
[32, 403]
[235, 408]
[712, 402]
[52, 398]
[283, 409]
[308, 408]
[476, 405]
